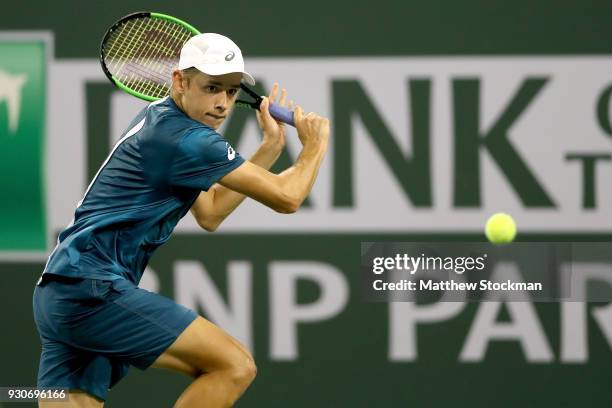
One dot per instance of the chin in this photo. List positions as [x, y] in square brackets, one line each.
[208, 123]
[214, 124]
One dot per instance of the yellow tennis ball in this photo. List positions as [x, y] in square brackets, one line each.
[500, 228]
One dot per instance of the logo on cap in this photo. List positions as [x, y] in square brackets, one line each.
[230, 56]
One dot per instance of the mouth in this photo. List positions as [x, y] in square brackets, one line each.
[215, 116]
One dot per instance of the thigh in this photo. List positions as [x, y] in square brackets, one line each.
[120, 321]
[62, 366]
[65, 365]
[149, 324]
[114, 324]
[203, 347]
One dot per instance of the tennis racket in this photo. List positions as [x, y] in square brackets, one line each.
[140, 51]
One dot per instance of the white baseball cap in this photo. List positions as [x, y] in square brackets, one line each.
[213, 54]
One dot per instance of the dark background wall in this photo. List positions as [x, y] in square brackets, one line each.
[343, 362]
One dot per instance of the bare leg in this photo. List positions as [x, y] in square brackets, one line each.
[76, 399]
[221, 366]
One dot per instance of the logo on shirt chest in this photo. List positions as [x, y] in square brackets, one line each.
[231, 153]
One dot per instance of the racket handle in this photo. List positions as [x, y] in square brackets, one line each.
[282, 114]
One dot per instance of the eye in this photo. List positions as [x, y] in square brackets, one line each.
[232, 92]
[211, 89]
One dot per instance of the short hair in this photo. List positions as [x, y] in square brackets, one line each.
[189, 72]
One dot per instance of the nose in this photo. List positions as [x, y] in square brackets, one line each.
[221, 102]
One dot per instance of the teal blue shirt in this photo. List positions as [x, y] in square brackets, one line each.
[147, 184]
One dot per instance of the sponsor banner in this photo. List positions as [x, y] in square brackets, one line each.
[295, 300]
[23, 92]
[418, 144]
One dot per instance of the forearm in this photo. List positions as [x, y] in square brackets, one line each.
[285, 192]
[266, 155]
[296, 182]
[213, 206]
[226, 200]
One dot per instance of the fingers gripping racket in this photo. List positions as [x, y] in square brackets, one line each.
[140, 51]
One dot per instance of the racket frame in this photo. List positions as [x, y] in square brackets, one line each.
[147, 14]
[120, 22]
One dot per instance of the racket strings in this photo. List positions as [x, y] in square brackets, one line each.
[122, 48]
[123, 39]
[142, 53]
[136, 71]
[141, 67]
[165, 66]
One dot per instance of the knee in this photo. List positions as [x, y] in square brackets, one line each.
[243, 372]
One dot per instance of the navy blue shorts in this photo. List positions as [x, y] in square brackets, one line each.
[92, 330]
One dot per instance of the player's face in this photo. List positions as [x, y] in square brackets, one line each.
[207, 98]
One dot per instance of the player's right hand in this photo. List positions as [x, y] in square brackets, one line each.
[313, 130]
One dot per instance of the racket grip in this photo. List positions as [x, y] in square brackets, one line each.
[282, 114]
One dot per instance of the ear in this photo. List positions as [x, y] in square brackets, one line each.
[178, 81]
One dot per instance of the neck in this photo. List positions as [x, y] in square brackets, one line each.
[177, 100]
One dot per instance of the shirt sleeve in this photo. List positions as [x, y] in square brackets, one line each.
[202, 157]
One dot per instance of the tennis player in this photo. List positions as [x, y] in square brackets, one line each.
[93, 320]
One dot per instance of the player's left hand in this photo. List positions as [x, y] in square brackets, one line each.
[273, 130]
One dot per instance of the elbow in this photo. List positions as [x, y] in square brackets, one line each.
[286, 210]
[210, 228]
[208, 224]
[288, 205]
